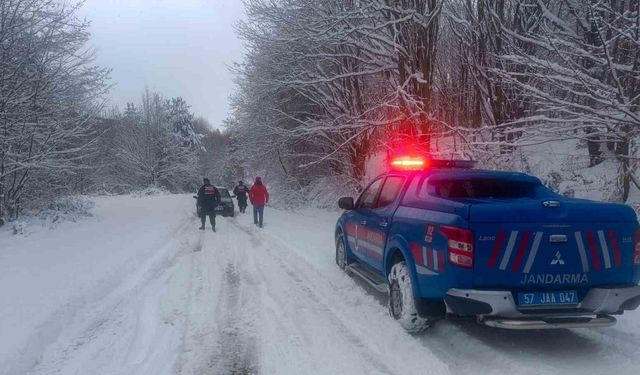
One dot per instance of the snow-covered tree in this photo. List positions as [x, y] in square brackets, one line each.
[49, 92]
[579, 62]
[150, 149]
[327, 82]
[182, 121]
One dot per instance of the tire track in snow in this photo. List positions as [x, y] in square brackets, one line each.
[295, 299]
[194, 283]
[237, 349]
[218, 336]
[440, 347]
[470, 348]
[90, 324]
[335, 320]
[306, 282]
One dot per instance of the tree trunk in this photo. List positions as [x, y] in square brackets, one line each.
[622, 151]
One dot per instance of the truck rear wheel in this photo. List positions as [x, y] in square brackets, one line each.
[402, 304]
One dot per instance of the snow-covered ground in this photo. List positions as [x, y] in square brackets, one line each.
[137, 289]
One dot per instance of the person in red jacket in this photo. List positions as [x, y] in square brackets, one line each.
[259, 196]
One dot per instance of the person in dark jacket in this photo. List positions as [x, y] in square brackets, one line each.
[208, 199]
[259, 196]
[240, 192]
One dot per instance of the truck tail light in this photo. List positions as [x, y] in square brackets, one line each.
[636, 248]
[459, 246]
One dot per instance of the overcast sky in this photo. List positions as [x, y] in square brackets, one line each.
[176, 47]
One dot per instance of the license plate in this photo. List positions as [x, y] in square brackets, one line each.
[567, 297]
[219, 208]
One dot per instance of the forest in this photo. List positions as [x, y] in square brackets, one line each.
[58, 135]
[326, 87]
[328, 84]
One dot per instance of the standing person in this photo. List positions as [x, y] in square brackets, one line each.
[259, 196]
[240, 192]
[208, 199]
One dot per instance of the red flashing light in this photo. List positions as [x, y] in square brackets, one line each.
[418, 163]
[409, 163]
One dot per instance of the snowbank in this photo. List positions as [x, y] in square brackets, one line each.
[49, 276]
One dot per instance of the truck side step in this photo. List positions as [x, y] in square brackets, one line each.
[371, 277]
[551, 323]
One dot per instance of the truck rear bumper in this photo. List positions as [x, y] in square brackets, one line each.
[550, 323]
[500, 303]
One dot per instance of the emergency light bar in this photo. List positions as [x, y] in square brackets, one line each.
[407, 163]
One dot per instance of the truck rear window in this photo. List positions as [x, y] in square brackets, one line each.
[481, 188]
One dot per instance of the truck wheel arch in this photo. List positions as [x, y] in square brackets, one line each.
[394, 256]
[338, 232]
[398, 251]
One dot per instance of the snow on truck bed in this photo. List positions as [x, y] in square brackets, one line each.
[137, 289]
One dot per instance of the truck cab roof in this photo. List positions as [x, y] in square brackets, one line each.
[487, 195]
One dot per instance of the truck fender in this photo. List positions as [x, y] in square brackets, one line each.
[340, 229]
[399, 243]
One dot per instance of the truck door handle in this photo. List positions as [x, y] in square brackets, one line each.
[384, 224]
[363, 222]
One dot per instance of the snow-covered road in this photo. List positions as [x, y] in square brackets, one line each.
[137, 289]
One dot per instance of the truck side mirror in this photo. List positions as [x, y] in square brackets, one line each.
[346, 203]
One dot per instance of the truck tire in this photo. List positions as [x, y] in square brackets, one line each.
[342, 258]
[402, 304]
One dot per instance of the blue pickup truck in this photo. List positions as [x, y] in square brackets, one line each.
[446, 240]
